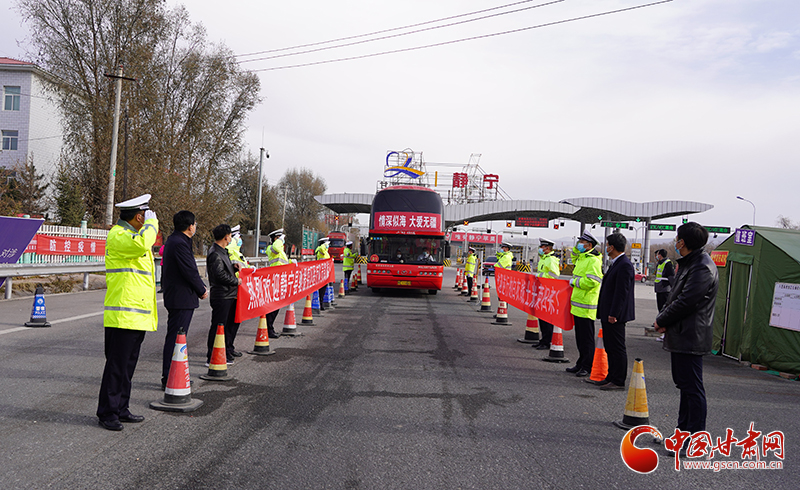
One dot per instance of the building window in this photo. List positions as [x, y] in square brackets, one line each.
[11, 98]
[10, 139]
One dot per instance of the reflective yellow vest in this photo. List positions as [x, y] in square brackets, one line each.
[660, 271]
[235, 254]
[275, 254]
[348, 259]
[130, 301]
[469, 269]
[322, 252]
[504, 259]
[549, 266]
[586, 279]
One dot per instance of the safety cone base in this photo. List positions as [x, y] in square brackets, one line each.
[291, 333]
[628, 423]
[189, 406]
[37, 324]
[555, 359]
[260, 353]
[502, 323]
[216, 378]
[305, 323]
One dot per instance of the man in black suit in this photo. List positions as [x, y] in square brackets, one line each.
[615, 308]
[181, 283]
[224, 287]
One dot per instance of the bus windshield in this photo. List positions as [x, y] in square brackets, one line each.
[337, 242]
[408, 249]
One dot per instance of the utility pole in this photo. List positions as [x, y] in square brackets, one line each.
[258, 204]
[283, 219]
[125, 160]
[114, 137]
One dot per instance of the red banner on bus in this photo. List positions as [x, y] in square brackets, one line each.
[269, 288]
[59, 245]
[407, 223]
[548, 299]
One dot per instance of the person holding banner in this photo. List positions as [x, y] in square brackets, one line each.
[586, 279]
[224, 287]
[276, 256]
[549, 268]
[615, 308]
[322, 253]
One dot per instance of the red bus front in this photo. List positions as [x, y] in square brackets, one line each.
[406, 239]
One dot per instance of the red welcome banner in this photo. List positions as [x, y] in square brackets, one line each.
[59, 245]
[407, 223]
[269, 288]
[548, 299]
[460, 236]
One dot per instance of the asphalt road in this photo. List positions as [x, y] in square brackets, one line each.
[395, 390]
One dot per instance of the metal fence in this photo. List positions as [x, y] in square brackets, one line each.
[65, 231]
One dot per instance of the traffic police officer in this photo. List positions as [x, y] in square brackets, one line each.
[469, 268]
[505, 257]
[586, 279]
[665, 271]
[348, 261]
[276, 256]
[129, 308]
[549, 268]
[234, 248]
[322, 254]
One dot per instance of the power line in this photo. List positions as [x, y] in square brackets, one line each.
[573, 19]
[384, 30]
[402, 34]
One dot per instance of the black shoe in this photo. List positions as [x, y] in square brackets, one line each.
[573, 369]
[542, 347]
[611, 387]
[110, 424]
[236, 353]
[274, 335]
[131, 418]
[582, 373]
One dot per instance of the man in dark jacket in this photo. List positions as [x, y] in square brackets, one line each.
[224, 286]
[687, 320]
[181, 283]
[615, 308]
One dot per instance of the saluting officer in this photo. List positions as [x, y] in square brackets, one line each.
[129, 309]
[549, 268]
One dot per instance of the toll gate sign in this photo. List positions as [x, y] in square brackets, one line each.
[532, 222]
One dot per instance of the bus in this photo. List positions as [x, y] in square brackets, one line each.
[406, 245]
[336, 242]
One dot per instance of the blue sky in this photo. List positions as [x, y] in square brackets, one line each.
[689, 100]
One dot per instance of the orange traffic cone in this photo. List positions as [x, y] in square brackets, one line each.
[261, 347]
[600, 362]
[502, 314]
[464, 287]
[473, 295]
[636, 412]
[289, 322]
[359, 274]
[178, 394]
[308, 313]
[458, 279]
[486, 298]
[218, 367]
[341, 289]
[556, 347]
[531, 331]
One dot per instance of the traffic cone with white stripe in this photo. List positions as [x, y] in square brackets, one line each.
[218, 367]
[464, 287]
[502, 314]
[289, 322]
[316, 303]
[341, 289]
[556, 347]
[486, 298]
[458, 279]
[261, 347]
[473, 295]
[359, 275]
[636, 412]
[600, 362]
[308, 313]
[531, 331]
[178, 394]
[38, 311]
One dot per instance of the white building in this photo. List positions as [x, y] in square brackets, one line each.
[30, 120]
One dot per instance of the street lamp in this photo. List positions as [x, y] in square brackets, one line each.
[751, 203]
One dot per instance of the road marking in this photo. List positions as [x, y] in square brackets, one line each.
[62, 320]
[14, 330]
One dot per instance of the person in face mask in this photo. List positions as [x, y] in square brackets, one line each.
[398, 257]
[425, 256]
[586, 279]
[549, 268]
[234, 250]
